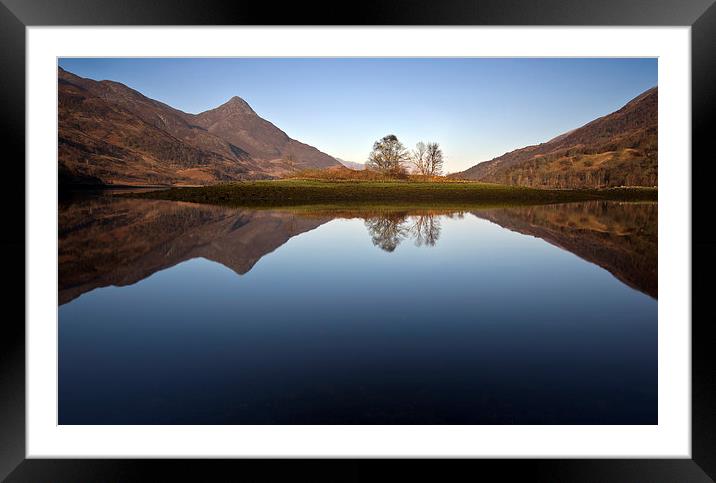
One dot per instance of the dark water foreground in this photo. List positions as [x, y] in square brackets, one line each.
[176, 313]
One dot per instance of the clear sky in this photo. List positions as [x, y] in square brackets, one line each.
[476, 108]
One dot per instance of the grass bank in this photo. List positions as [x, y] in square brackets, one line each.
[304, 191]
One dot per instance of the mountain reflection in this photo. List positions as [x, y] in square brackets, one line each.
[119, 241]
[619, 237]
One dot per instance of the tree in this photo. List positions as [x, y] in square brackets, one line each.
[388, 155]
[419, 158]
[434, 159]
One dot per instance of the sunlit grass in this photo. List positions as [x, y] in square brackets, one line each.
[289, 192]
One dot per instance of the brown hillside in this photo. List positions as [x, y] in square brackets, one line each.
[103, 143]
[237, 122]
[619, 149]
[112, 134]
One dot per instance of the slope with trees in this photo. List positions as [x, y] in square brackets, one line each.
[619, 149]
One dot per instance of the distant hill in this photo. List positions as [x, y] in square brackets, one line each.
[109, 133]
[351, 164]
[619, 149]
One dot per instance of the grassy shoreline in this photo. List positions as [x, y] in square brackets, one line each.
[305, 192]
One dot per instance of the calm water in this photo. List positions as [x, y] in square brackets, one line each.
[174, 313]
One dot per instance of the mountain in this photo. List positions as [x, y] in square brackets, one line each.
[351, 164]
[619, 149]
[237, 123]
[109, 133]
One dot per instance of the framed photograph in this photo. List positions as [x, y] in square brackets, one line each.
[412, 231]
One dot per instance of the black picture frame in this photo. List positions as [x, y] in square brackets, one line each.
[16, 15]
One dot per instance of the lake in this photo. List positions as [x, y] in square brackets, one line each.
[179, 313]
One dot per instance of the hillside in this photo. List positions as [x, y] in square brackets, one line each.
[110, 134]
[619, 149]
[237, 123]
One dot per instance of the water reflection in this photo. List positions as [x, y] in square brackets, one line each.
[388, 230]
[176, 313]
[620, 237]
[119, 241]
[114, 241]
[425, 230]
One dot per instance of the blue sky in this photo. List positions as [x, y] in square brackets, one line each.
[476, 108]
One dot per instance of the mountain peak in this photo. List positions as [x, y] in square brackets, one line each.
[228, 142]
[237, 104]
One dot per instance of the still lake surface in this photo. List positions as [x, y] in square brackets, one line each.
[177, 313]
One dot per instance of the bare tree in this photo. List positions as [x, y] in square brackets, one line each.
[388, 155]
[419, 158]
[434, 159]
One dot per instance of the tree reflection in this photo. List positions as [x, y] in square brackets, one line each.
[388, 231]
[425, 230]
